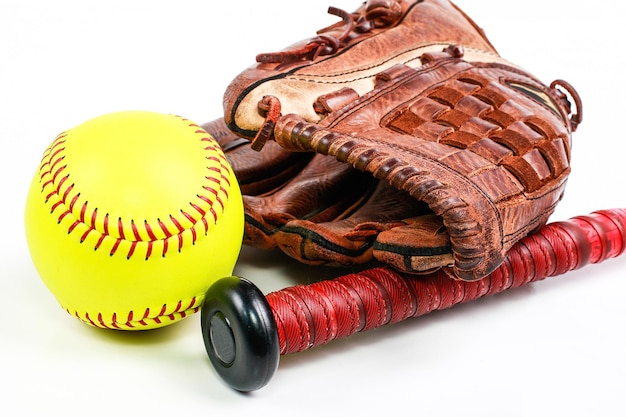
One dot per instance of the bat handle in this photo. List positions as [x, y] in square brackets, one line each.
[240, 334]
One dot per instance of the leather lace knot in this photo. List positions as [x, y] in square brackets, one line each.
[377, 14]
[269, 105]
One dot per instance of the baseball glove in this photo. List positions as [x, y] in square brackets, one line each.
[398, 134]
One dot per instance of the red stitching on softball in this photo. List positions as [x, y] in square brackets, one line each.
[210, 189]
[180, 232]
[73, 203]
[83, 210]
[101, 321]
[129, 320]
[56, 173]
[151, 234]
[62, 216]
[130, 323]
[206, 200]
[52, 151]
[145, 315]
[55, 205]
[149, 250]
[163, 227]
[84, 236]
[115, 246]
[180, 228]
[135, 230]
[88, 319]
[131, 251]
[114, 321]
[52, 181]
[189, 217]
[198, 209]
[73, 226]
[49, 154]
[66, 193]
[217, 171]
[219, 200]
[172, 315]
[120, 228]
[94, 215]
[99, 242]
[106, 224]
[57, 169]
[225, 178]
[165, 246]
[46, 173]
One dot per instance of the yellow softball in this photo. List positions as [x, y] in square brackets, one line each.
[130, 218]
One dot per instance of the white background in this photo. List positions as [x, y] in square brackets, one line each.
[552, 348]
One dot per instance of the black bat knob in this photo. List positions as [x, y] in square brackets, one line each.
[240, 334]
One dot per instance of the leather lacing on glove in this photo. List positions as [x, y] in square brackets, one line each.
[270, 106]
[379, 13]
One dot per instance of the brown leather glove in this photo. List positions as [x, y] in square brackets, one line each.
[424, 148]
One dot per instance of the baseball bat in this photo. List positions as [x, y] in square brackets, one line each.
[245, 332]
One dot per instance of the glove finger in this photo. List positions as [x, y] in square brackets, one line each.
[256, 172]
[349, 240]
[324, 191]
[421, 246]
